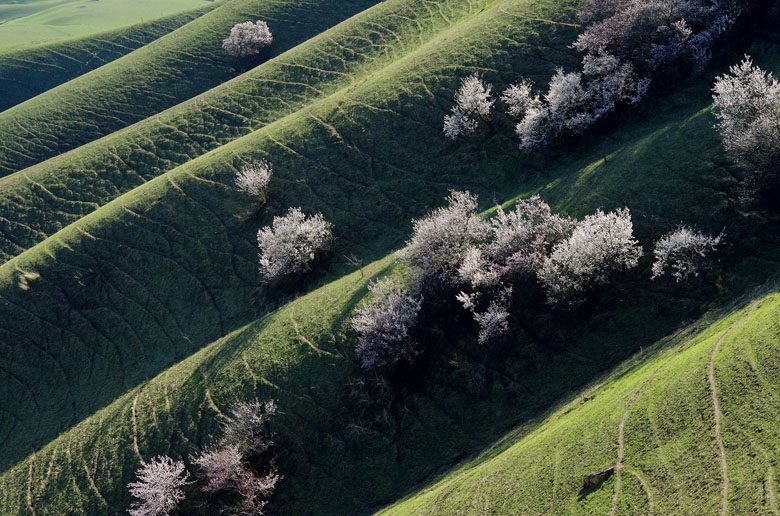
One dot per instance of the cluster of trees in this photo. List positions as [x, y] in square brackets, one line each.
[481, 261]
[247, 38]
[234, 470]
[292, 243]
[626, 44]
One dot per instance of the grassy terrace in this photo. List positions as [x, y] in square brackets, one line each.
[73, 184]
[32, 70]
[162, 74]
[343, 457]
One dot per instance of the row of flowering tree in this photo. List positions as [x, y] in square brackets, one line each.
[455, 251]
[234, 471]
[626, 46]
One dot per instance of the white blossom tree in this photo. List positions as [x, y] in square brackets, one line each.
[383, 324]
[226, 466]
[684, 251]
[247, 38]
[440, 239]
[600, 245]
[254, 177]
[473, 103]
[292, 243]
[159, 487]
[657, 34]
[493, 322]
[246, 426]
[221, 465]
[574, 101]
[523, 237]
[520, 99]
[254, 491]
[747, 106]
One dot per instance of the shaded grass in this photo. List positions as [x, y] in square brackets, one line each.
[101, 296]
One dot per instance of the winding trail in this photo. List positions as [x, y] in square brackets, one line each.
[724, 468]
[622, 441]
[718, 415]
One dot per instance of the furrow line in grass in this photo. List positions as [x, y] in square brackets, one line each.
[207, 291]
[118, 314]
[226, 231]
[303, 338]
[621, 436]
[135, 425]
[724, 472]
[92, 484]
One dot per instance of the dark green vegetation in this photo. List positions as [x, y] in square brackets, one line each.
[33, 70]
[126, 333]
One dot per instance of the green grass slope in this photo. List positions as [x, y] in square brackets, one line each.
[157, 76]
[33, 70]
[24, 22]
[658, 413]
[340, 455]
[110, 307]
[39, 201]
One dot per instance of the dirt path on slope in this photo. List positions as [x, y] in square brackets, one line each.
[718, 415]
[724, 468]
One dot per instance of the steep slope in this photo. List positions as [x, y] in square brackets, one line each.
[667, 415]
[33, 70]
[39, 201]
[162, 74]
[341, 455]
[101, 297]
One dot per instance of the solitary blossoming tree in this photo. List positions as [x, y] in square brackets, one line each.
[254, 177]
[247, 38]
[159, 487]
[473, 104]
[685, 251]
[747, 106]
[292, 243]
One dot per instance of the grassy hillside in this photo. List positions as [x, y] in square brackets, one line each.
[42, 199]
[162, 74]
[658, 412]
[23, 22]
[33, 70]
[344, 457]
[132, 312]
[187, 227]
